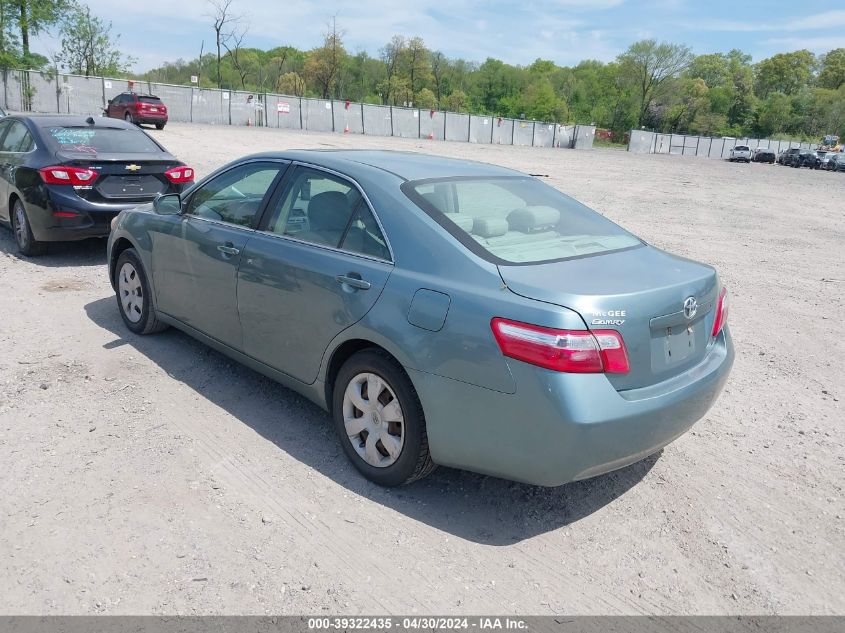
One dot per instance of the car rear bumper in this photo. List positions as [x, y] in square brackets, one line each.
[89, 219]
[151, 119]
[559, 427]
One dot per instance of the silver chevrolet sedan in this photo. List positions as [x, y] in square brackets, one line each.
[443, 311]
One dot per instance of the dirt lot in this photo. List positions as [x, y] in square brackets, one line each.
[152, 475]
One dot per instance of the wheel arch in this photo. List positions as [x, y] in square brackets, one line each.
[342, 353]
[120, 245]
[11, 201]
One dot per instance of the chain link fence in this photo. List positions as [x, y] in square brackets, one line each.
[33, 91]
[642, 142]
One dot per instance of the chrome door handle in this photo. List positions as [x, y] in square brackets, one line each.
[353, 282]
[228, 250]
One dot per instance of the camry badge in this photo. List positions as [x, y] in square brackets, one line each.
[690, 307]
[133, 167]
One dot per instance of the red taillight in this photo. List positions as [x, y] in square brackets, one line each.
[721, 312]
[572, 351]
[65, 214]
[179, 175]
[60, 175]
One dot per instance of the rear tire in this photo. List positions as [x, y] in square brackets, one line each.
[133, 295]
[160, 126]
[27, 244]
[382, 434]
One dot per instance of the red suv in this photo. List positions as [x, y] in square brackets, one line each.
[137, 108]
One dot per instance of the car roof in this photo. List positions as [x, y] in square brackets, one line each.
[66, 120]
[405, 165]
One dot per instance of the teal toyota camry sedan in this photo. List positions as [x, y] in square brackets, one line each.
[444, 312]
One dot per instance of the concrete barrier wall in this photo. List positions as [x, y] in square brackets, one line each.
[643, 142]
[34, 91]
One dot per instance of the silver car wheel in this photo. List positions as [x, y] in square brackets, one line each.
[373, 419]
[131, 292]
[21, 233]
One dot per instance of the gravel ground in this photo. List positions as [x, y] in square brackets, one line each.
[151, 475]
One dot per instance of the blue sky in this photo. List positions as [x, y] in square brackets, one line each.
[565, 31]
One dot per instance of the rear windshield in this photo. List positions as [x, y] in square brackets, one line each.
[100, 140]
[149, 99]
[517, 220]
[741, 148]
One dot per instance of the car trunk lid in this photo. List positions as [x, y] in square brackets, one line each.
[639, 292]
[122, 177]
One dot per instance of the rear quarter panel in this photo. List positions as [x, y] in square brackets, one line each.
[427, 257]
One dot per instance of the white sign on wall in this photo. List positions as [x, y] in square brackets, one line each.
[283, 108]
[107, 84]
[194, 79]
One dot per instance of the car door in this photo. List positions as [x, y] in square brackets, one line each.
[195, 261]
[14, 147]
[5, 167]
[316, 265]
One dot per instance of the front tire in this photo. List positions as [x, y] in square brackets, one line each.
[133, 295]
[379, 420]
[128, 118]
[27, 244]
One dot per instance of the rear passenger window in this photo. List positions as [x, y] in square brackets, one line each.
[364, 235]
[18, 139]
[325, 209]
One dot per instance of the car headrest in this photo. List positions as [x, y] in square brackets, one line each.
[463, 221]
[437, 199]
[532, 219]
[489, 227]
[328, 211]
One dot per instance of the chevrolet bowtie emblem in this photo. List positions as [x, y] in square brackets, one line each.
[133, 167]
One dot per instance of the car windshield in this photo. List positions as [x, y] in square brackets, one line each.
[517, 220]
[100, 140]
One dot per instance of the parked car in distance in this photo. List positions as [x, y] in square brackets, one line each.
[806, 158]
[444, 311]
[64, 178]
[764, 155]
[824, 158]
[837, 163]
[138, 108]
[787, 156]
[740, 153]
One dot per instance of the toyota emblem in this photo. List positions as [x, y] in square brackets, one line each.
[690, 307]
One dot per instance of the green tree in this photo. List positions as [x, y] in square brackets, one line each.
[690, 102]
[291, 84]
[649, 66]
[785, 72]
[418, 64]
[425, 99]
[457, 101]
[832, 74]
[324, 64]
[36, 17]
[775, 115]
[88, 46]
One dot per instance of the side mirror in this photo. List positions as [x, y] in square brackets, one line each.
[168, 204]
